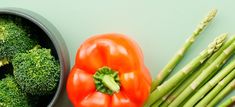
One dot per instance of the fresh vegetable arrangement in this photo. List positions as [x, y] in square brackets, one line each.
[32, 71]
[203, 81]
[109, 71]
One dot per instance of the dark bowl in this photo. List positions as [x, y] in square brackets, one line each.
[48, 37]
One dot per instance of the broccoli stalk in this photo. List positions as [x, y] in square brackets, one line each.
[4, 61]
[36, 71]
[14, 38]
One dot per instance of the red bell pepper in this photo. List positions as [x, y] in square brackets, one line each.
[109, 71]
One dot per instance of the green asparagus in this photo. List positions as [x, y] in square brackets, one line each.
[192, 77]
[228, 103]
[230, 87]
[158, 103]
[163, 89]
[214, 81]
[206, 72]
[177, 57]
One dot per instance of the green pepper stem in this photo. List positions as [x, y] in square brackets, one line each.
[109, 82]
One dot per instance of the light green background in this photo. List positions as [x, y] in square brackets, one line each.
[160, 27]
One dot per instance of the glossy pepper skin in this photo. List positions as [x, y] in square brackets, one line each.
[116, 52]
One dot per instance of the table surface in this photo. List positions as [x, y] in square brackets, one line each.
[160, 27]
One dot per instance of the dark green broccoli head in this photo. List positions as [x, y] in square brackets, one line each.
[37, 71]
[11, 95]
[14, 38]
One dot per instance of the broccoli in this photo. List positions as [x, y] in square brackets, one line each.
[36, 71]
[11, 95]
[14, 38]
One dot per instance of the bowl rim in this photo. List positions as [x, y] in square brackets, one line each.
[57, 40]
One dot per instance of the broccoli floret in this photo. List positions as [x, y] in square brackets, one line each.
[11, 95]
[37, 71]
[14, 38]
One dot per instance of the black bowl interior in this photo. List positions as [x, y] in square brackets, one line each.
[38, 34]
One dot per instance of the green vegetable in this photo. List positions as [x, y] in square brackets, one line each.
[215, 90]
[11, 95]
[180, 54]
[230, 87]
[161, 101]
[158, 103]
[209, 85]
[14, 38]
[195, 74]
[206, 72]
[213, 82]
[163, 89]
[228, 102]
[37, 72]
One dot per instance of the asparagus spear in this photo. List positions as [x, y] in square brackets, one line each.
[205, 73]
[192, 77]
[228, 103]
[207, 87]
[230, 87]
[179, 55]
[157, 103]
[163, 89]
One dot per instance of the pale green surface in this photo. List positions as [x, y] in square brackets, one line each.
[160, 27]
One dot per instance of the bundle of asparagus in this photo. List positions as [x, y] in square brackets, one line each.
[180, 54]
[222, 93]
[198, 82]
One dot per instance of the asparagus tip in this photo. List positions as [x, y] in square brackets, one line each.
[211, 14]
[214, 46]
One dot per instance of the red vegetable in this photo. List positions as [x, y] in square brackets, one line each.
[109, 71]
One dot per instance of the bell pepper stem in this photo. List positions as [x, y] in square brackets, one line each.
[109, 82]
